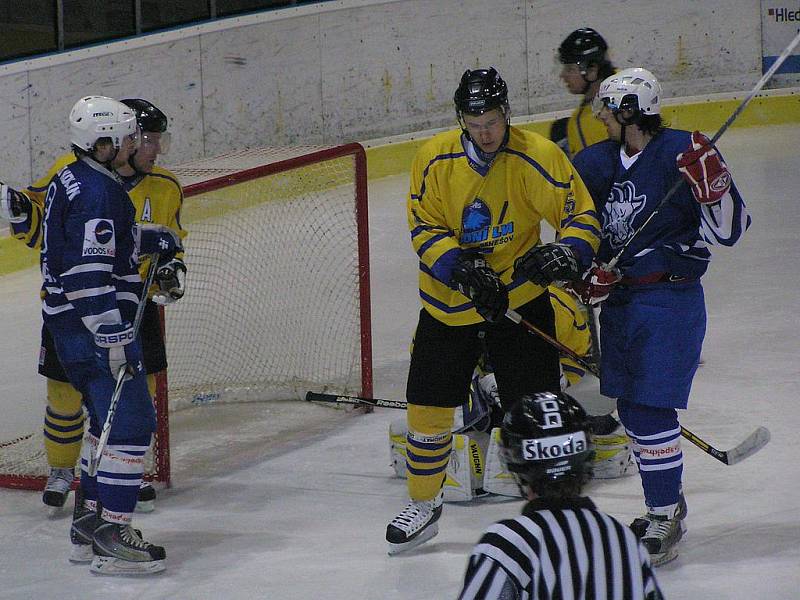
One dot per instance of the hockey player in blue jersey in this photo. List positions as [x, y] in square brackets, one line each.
[653, 319]
[90, 292]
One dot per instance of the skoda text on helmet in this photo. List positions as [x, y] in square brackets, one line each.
[546, 444]
[93, 118]
[583, 47]
[480, 91]
[636, 90]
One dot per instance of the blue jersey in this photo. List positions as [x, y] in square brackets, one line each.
[88, 256]
[676, 240]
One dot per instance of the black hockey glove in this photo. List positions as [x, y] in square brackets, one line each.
[548, 263]
[170, 277]
[15, 207]
[474, 278]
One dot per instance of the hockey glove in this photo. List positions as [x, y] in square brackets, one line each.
[704, 170]
[474, 278]
[170, 278]
[117, 347]
[596, 284]
[15, 207]
[547, 263]
[160, 239]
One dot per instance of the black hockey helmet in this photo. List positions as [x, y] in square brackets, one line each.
[148, 116]
[584, 47]
[480, 91]
[546, 444]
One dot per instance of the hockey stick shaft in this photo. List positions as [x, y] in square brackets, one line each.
[565, 350]
[696, 440]
[752, 444]
[742, 105]
[112, 408]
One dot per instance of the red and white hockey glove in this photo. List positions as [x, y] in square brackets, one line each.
[596, 284]
[704, 170]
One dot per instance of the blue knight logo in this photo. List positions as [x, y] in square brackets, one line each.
[620, 212]
[476, 220]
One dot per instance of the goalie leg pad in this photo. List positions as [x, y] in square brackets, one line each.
[613, 456]
[398, 430]
[497, 479]
[458, 476]
[428, 444]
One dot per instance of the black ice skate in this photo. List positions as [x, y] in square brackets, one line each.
[640, 524]
[81, 534]
[57, 488]
[120, 550]
[662, 536]
[416, 524]
[146, 500]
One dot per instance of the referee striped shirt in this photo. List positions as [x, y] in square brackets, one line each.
[562, 549]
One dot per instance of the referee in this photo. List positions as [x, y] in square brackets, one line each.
[561, 546]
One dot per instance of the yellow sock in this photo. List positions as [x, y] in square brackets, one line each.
[63, 425]
[428, 445]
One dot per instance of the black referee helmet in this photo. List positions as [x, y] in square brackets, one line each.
[546, 444]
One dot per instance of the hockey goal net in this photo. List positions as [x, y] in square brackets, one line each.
[277, 299]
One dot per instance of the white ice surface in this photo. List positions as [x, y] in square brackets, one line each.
[305, 518]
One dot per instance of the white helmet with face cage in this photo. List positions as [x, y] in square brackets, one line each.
[96, 117]
[634, 89]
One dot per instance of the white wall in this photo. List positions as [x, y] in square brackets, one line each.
[362, 69]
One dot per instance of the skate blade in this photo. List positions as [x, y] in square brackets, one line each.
[659, 560]
[81, 554]
[431, 531]
[108, 565]
[145, 506]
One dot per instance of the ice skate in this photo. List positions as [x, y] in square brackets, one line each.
[146, 500]
[640, 524]
[57, 488]
[120, 550]
[416, 524]
[662, 536]
[81, 533]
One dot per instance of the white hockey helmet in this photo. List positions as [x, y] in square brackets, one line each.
[634, 89]
[96, 117]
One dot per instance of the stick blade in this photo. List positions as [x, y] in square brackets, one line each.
[752, 444]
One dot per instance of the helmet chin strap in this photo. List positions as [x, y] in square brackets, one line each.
[587, 83]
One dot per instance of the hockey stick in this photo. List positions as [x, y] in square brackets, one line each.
[749, 446]
[746, 448]
[94, 463]
[678, 182]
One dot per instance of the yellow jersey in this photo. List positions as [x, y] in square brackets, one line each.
[584, 129]
[455, 204]
[157, 198]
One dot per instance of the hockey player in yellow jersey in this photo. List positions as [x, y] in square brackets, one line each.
[584, 64]
[478, 196]
[157, 198]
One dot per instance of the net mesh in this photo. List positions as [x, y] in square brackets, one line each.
[276, 297]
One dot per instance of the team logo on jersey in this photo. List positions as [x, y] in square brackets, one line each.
[620, 212]
[98, 238]
[476, 220]
[476, 226]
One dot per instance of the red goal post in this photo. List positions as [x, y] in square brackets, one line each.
[277, 296]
